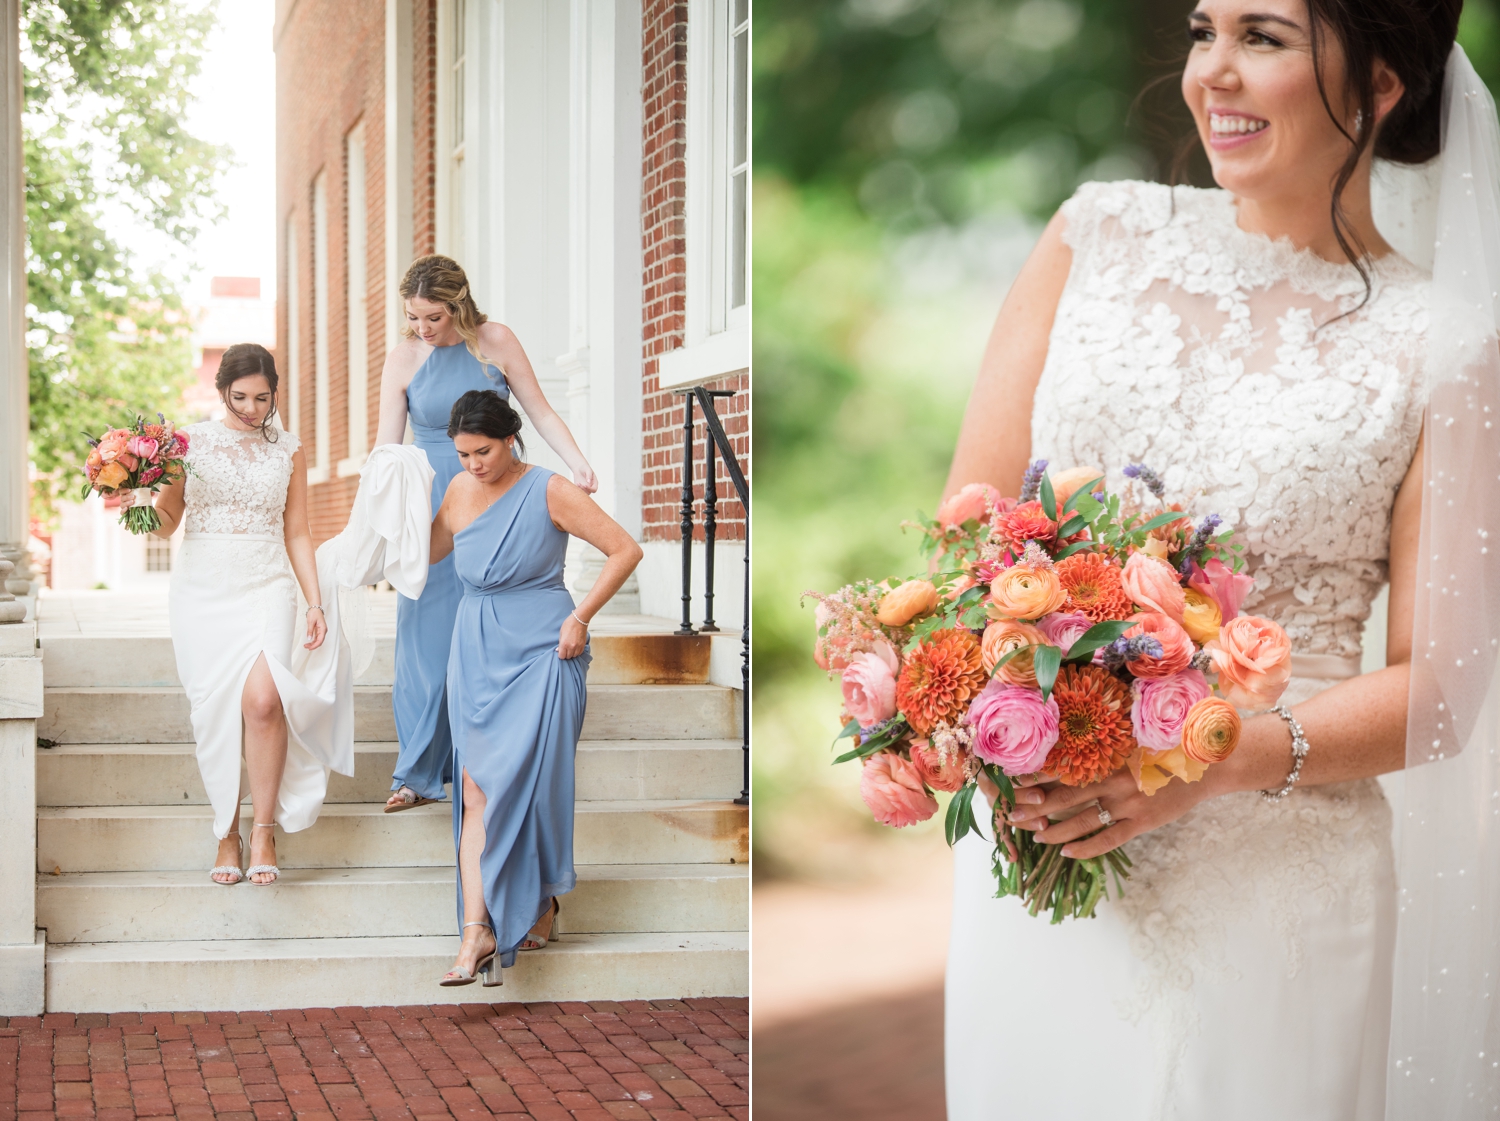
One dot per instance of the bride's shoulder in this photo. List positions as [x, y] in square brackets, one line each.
[289, 441]
[1132, 208]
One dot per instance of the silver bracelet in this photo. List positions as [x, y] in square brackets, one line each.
[317, 607]
[579, 621]
[1300, 748]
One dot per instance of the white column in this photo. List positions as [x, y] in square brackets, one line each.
[22, 947]
[322, 371]
[356, 288]
[14, 411]
[398, 161]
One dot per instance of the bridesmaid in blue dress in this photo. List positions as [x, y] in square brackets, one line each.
[449, 349]
[516, 680]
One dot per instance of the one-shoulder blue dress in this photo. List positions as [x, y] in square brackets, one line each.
[424, 626]
[515, 707]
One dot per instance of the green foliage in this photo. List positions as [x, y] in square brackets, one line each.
[106, 88]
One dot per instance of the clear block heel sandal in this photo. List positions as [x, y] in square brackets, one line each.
[487, 967]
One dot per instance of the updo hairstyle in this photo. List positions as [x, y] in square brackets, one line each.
[441, 280]
[483, 412]
[246, 360]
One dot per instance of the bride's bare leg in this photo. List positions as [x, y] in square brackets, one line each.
[265, 758]
[477, 940]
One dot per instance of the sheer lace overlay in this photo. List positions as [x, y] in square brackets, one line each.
[238, 480]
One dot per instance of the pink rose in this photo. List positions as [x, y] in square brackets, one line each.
[1253, 658]
[142, 446]
[1222, 585]
[1152, 585]
[947, 774]
[150, 475]
[1177, 647]
[127, 461]
[892, 788]
[870, 685]
[112, 444]
[1162, 705]
[972, 503]
[1013, 727]
[180, 439]
[1063, 629]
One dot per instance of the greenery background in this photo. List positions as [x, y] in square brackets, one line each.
[907, 153]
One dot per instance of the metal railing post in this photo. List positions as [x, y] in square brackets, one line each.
[710, 502]
[687, 513]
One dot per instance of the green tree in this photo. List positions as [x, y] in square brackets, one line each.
[106, 90]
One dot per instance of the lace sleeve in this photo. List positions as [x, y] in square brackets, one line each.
[1098, 212]
[289, 441]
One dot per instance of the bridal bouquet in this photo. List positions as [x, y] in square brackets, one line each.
[1066, 635]
[141, 458]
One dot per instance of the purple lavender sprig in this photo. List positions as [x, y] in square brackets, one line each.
[1123, 650]
[1147, 476]
[1031, 482]
[1199, 540]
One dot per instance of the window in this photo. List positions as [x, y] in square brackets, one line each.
[717, 332]
[318, 473]
[293, 367]
[356, 248]
[453, 33]
[158, 554]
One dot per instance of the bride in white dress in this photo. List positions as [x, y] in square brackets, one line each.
[1226, 339]
[233, 606]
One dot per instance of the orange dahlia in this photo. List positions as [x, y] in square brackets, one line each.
[1093, 586]
[941, 676]
[1094, 735]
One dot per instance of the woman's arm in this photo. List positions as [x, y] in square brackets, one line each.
[299, 548]
[1356, 729]
[400, 364]
[575, 512]
[442, 526]
[499, 344]
[994, 445]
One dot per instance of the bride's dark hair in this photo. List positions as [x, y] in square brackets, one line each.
[483, 412]
[246, 360]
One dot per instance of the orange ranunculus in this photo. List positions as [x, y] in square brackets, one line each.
[110, 476]
[1176, 647]
[1212, 731]
[1153, 585]
[1154, 769]
[1024, 592]
[1093, 585]
[1065, 484]
[1201, 617]
[941, 676]
[1253, 658]
[1000, 638]
[902, 604]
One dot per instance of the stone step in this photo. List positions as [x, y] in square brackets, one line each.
[159, 714]
[151, 774]
[241, 974]
[377, 902]
[119, 661]
[179, 838]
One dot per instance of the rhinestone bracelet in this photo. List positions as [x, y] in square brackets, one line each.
[1300, 748]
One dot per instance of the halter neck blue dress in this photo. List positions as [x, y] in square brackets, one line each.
[515, 707]
[424, 626]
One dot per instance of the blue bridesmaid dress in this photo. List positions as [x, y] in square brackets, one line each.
[515, 707]
[424, 626]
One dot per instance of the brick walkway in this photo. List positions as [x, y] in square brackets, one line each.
[662, 1059]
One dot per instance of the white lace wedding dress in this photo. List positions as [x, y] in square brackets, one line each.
[1245, 975]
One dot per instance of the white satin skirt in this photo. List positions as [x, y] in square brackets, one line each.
[1245, 974]
[233, 598]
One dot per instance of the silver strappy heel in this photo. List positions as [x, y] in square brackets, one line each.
[227, 870]
[486, 967]
[262, 869]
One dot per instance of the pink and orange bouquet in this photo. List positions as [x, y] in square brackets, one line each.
[1067, 636]
[141, 458]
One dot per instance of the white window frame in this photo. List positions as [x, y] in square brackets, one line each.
[455, 122]
[716, 335]
[293, 367]
[356, 252]
[322, 372]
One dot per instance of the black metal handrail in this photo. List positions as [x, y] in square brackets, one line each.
[715, 438]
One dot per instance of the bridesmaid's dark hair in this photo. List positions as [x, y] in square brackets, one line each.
[483, 412]
[246, 360]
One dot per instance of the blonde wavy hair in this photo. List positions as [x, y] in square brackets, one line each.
[441, 280]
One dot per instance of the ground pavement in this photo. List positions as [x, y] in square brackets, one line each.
[660, 1060]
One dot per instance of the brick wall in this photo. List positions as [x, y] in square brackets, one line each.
[330, 74]
[664, 291]
[424, 126]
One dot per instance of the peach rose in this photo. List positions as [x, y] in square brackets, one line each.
[1176, 647]
[111, 475]
[112, 445]
[1000, 638]
[1024, 592]
[1253, 658]
[892, 788]
[1155, 547]
[1152, 585]
[1154, 769]
[971, 503]
[901, 605]
[1212, 731]
[945, 774]
[1201, 617]
[869, 684]
[1065, 484]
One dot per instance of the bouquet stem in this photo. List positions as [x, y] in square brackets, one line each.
[140, 518]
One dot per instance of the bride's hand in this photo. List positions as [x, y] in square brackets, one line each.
[1132, 812]
[126, 497]
[317, 628]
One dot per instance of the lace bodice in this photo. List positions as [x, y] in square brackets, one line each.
[1219, 359]
[237, 481]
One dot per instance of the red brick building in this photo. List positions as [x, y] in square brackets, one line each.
[587, 163]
